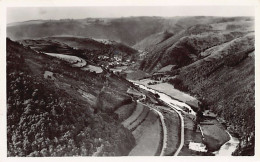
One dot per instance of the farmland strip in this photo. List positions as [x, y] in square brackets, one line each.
[138, 111]
[150, 119]
[139, 120]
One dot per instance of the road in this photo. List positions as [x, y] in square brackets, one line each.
[146, 130]
[182, 130]
[164, 131]
[174, 108]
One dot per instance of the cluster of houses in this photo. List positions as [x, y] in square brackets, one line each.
[112, 62]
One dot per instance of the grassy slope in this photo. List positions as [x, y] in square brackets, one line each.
[152, 40]
[91, 44]
[149, 141]
[78, 42]
[83, 47]
[226, 79]
[48, 46]
[125, 111]
[110, 100]
[138, 111]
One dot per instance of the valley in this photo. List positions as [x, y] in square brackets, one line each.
[183, 86]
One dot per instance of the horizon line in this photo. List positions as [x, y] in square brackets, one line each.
[123, 17]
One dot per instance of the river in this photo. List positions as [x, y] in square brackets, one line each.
[226, 149]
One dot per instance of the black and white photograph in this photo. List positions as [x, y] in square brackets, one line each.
[116, 81]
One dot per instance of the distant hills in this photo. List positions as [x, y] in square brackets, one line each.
[184, 47]
[129, 30]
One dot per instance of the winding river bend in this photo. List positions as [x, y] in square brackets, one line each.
[225, 150]
[228, 148]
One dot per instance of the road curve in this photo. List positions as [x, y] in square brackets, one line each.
[164, 132]
[163, 126]
[177, 110]
[182, 129]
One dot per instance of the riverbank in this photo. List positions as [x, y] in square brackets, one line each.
[212, 134]
[169, 90]
[215, 135]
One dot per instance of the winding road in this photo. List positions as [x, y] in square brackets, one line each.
[173, 108]
[182, 130]
[164, 131]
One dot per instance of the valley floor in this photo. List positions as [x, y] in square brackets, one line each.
[210, 132]
[169, 89]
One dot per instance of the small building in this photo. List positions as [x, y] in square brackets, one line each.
[49, 75]
[209, 114]
[200, 147]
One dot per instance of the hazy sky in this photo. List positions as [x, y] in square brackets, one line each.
[17, 14]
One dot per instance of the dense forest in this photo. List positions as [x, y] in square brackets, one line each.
[225, 80]
[43, 120]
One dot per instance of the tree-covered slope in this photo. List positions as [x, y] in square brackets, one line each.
[48, 115]
[184, 47]
[225, 80]
[86, 48]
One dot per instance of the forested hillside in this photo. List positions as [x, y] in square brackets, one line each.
[185, 47]
[94, 50]
[47, 116]
[215, 63]
[225, 80]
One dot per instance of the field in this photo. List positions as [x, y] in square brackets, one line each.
[215, 136]
[171, 91]
[135, 75]
[138, 111]
[146, 128]
[150, 119]
[74, 60]
[149, 141]
[140, 119]
[125, 111]
[93, 68]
